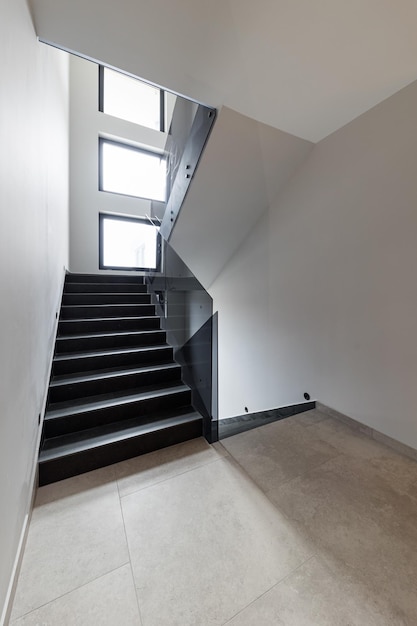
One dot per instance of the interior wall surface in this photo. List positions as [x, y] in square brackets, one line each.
[34, 133]
[241, 171]
[326, 286]
[86, 201]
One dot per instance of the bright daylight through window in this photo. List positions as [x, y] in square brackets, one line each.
[131, 171]
[130, 99]
[128, 243]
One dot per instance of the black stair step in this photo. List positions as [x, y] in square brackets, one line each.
[71, 416]
[96, 324]
[72, 287]
[69, 455]
[103, 278]
[106, 310]
[103, 341]
[106, 298]
[73, 387]
[106, 359]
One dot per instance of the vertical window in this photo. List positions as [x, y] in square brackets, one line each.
[128, 243]
[131, 171]
[131, 99]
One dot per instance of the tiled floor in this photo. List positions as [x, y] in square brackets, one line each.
[301, 522]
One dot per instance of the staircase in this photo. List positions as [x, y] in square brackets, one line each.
[115, 390]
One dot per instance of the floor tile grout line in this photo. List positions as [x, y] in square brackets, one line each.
[130, 556]
[164, 480]
[88, 582]
[279, 582]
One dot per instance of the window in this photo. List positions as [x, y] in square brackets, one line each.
[131, 99]
[128, 243]
[131, 171]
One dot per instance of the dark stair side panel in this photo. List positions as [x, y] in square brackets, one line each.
[115, 389]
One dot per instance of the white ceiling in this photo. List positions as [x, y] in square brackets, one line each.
[306, 67]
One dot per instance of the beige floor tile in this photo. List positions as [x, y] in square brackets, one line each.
[107, 601]
[309, 418]
[358, 522]
[314, 596]
[205, 544]
[278, 452]
[347, 440]
[149, 469]
[76, 534]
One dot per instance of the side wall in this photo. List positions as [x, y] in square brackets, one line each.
[325, 286]
[33, 253]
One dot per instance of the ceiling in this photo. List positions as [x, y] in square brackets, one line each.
[305, 67]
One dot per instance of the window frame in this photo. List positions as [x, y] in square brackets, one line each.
[101, 69]
[126, 218]
[128, 146]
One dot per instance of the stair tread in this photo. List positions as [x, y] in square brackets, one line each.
[110, 373]
[138, 278]
[73, 443]
[104, 293]
[110, 333]
[98, 352]
[104, 305]
[107, 319]
[103, 401]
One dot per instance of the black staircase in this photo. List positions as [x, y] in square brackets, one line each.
[115, 390]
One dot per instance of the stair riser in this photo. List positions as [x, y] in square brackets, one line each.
[65, 346]
[104, 288]
[103, 278]
[116, 310]
[139, 409]
[52, 471]
[79, 327]
[151, 357]
[105, 298]
[62, 393]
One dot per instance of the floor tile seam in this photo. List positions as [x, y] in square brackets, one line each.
[168, 478]
[130, 563]
[141, 622]
[276, 584]
[67, 593]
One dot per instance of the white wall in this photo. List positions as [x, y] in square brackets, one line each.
[33, 252]
[243, 167]
[86, 201]
[330, 273]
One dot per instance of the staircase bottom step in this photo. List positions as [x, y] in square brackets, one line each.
[70, 455]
